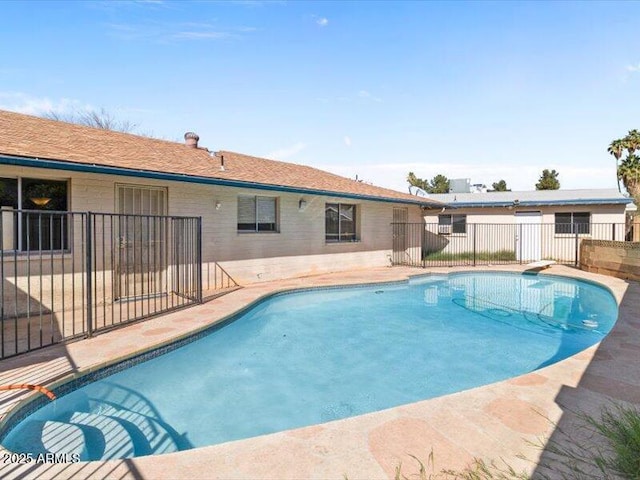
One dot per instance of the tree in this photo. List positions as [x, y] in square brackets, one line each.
[548, 180]
[500, 186]
[417, 182]
[93, 118]
[438, 184]
[615, 148]
[628, 170]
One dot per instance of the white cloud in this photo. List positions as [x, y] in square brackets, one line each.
[347, 140]
[194, 35]
[168, 32]
[367, 96]
[287, 152]
[633, 68]
[322, 21]
[25, 103]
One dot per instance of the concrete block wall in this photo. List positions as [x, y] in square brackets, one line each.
[617, 259]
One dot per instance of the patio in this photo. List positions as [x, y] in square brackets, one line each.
[501, 420]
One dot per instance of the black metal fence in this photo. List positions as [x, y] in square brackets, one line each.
[432, 244]
[71, 274]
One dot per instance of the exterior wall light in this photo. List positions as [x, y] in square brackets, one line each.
[218, 205]
[302, 204]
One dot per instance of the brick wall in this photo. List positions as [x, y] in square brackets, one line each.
[617, 259]
[298, 249]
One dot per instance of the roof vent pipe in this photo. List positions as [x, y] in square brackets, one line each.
[191, 139]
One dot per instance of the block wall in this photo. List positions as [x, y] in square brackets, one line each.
[617, 259]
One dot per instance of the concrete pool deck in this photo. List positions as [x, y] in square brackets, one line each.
[510, 420]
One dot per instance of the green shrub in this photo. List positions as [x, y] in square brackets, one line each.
[498, 256]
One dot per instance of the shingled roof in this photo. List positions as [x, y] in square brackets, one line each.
[35, 141]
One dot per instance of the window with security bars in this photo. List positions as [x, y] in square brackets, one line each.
[452, 224]
[39, 221]
[257, 214]
[340, 222]
[573, 222]
[141, 200]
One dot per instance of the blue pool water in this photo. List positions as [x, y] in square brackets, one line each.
[310, 357]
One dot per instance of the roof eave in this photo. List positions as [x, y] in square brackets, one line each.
[120, 171]
[538, 203]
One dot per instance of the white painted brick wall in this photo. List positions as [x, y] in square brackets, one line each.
[299, 248]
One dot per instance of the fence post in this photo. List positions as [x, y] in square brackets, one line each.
[575, 263]
[199, 257]
[88, 270]
[423, 238]
[393, 243]
[474, 244]
[520, 243]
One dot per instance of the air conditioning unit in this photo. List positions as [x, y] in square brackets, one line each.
[444, 229]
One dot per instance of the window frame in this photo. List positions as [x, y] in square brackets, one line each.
[120, 194]
[257, 224]
[340, 236]
[458, 225]
[572, 227]
[28, 235]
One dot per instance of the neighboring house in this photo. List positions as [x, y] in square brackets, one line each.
[534, 224]
[261, 219]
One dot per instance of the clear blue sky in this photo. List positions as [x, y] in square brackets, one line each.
[487, 91]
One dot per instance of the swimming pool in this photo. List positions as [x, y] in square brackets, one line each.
[310, 357]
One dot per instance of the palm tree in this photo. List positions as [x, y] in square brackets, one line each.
[629, 173]
[632, 141]
[629, 169]
[615, 148]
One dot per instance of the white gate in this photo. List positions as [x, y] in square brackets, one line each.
[528, 236]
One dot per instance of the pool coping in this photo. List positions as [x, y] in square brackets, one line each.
[371, 460]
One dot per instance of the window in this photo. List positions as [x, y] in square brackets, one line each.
[340, 222]
[452, 224]
[9, 192]
[257, 214]
[579, 222]
[141, 200]
[41, 223]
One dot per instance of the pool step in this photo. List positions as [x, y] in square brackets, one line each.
[110, 434]
[41, 437]
[94, 437]
[151, 435]
[106, 437]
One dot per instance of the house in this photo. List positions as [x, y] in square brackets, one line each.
[531, 224]
[100, 228]
[261, 219]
